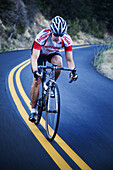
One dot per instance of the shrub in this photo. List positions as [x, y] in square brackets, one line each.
[73, 27]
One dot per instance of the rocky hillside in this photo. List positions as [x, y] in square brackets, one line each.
[20, 21]
[19, 24]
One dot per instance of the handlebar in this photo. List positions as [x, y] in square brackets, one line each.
[54, 67]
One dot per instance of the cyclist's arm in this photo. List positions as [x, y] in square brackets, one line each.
[69, 59]
[70, 64]
[34, 58]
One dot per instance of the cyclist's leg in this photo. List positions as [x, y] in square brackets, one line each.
[34, 93]
[57, 59]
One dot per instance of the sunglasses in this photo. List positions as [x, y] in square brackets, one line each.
[58, 35]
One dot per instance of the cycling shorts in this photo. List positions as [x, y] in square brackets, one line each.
[48, 58]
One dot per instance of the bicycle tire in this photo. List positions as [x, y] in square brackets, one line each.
[39, 114]
[52, 115]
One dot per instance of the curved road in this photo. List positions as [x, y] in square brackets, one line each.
[85, 134]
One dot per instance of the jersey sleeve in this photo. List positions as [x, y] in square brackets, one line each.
[37, 46]
[42, 37]
[68, 48]
[67, 41]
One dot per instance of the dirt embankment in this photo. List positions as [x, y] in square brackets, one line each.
[106, 67]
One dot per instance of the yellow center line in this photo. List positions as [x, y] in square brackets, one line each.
[82, 46]
[59, 141]
[62, 164]
[78, 47]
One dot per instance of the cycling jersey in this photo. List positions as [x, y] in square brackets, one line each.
[44, 42]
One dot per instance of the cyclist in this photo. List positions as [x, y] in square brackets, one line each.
[47, 44]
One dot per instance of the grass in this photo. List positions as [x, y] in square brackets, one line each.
[99, 56]
[104, 61]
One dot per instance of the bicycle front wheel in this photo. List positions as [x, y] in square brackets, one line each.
[52, 112]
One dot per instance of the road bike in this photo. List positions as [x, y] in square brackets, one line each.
[50, 98]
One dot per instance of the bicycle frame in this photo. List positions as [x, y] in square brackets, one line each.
[44, 103]
[46, 85]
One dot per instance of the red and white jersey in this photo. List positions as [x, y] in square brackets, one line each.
[44, 42]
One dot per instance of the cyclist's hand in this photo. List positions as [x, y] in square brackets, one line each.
[37, 74]
[73, 77]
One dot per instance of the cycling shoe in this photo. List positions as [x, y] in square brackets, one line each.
[33, 117]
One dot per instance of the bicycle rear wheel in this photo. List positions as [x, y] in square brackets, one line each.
[52, 112]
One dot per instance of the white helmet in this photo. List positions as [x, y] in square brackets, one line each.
[58, 26]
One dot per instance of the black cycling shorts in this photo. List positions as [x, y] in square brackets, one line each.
[48, 58]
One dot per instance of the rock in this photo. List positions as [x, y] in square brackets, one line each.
[27, 34]
[40, 19]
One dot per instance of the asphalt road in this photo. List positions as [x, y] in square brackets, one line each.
[86, 121]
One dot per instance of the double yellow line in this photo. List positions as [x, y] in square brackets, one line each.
[58, 159]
